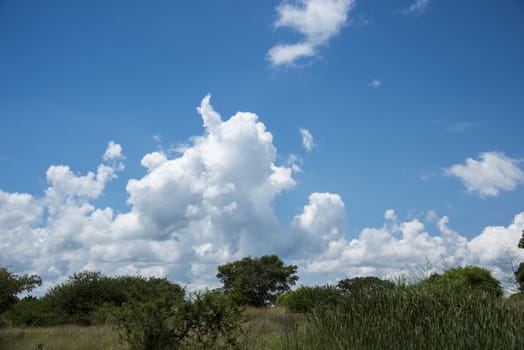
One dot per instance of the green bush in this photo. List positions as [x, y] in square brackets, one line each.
[305, 298]
[204, 321]
[469, 279]
[363, 284]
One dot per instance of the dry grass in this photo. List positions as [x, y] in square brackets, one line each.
[60, 338]
[264, 326]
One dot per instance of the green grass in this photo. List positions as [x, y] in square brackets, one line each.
[412, 318]
[261, 330]
[60, 338]
[399, 318]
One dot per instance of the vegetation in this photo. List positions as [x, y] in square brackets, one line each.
[257, 282]
[469, 279]
[519, 274]
[411, 317]
[11, 285]
[461, 308]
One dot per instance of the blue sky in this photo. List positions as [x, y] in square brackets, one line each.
[414, 109]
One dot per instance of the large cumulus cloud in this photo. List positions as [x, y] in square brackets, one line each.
[211, 203]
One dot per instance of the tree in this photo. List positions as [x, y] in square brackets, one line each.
[362, 284]
[87, 297]
[307, 298]
[469, 279]
[519, 274]
[257, 282]
[168, 321]
[11, 285]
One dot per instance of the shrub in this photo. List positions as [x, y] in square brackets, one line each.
[169, 321]
[305, 298]
[469, 279]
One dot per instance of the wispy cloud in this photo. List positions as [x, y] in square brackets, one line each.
[307, 139]
[417, 8]
[375, 83]
[462, 126]
[316, 20]
[492, 173]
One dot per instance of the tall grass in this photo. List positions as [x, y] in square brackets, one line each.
[60, 338]
[406, 317]
[411, 317]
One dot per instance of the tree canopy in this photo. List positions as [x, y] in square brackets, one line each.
[11, 285]
[257, 281]
[468, 279]
[361, 284]
[519, 274]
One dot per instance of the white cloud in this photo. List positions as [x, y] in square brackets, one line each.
[407, 247]
[307, 139]
[417, 8]
[287, 54]
[316, 20]
[375, 83]
[213, 203]
[492, 173]
[113, 151]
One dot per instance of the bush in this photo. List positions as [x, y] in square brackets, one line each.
[170, 321]
[305, 298]
[469, 279]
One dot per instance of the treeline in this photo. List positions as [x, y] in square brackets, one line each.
[460, 308]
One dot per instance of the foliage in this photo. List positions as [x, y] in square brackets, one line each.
[305, 298]
[11, 285]
[31, 311]
[169, 321]
[78, 298]
[519, 274]
[257, 282]
[89, 297]
[213, 317]
[154, 324]
[363, 284]
[410, 317]
[469, 279]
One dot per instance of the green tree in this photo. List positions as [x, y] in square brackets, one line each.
[11, 285]
[306, 299]
[519, 274]
[89, 297]
[469, 279]
[362, 284]
[169, 321]
[257, 281]
[156, 322]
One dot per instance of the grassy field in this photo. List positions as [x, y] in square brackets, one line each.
[60, 338]
[262, 329]
[409, 319]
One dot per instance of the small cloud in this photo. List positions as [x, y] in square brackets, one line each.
[432, 216]
[288, 54]
[492, 173]
[316, 20]
[375, 83]
[307, 139]
[417, 8]
[461, 126]
[426, 176]
[113, 152]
